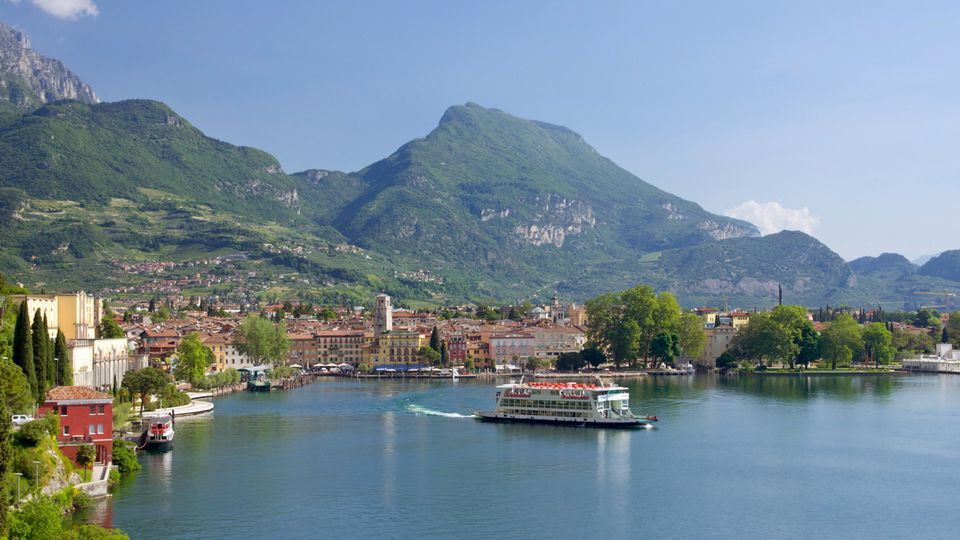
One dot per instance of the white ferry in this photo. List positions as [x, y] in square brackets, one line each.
[568, 403]
[160, 432]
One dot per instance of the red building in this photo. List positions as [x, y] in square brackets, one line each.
[86, 417]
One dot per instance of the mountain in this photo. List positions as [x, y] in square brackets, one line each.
[486, 207]
[753, 268]
[887, 265]
[94, 153]
[946, 265]
[531, 202]
[28, 79]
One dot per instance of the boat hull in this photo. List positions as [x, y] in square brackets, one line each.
[605, 424]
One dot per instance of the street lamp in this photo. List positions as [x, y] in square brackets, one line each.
[19, 475]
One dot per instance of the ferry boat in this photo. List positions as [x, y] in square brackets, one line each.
[160, 432]
[568, 403]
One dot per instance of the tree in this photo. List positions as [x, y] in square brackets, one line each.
[64, 362]
[51, 362]
[570, 361]
[665, 347]
[15, 393]
[328, 314]
[40, 342]
[593, 356]
[109, 329]
[6, 464]
[809, 344]
[435, 339]
[945, 335]
[193, 359]
[878, 343]
[909, 343]
[444, 355]
[693, 339]
[86, 454]
[726, 360]
[429, 356]
[765, 338]
[23, 348]
[840, 340]
[261, 340]
[152, 306]
[143, 382]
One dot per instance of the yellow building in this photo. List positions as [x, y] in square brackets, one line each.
[77, 315]
[396, 350]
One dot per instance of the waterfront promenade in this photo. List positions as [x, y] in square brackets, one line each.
[195, 407]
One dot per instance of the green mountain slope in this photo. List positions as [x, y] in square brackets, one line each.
[92, 153]
[946, 265]
[511, 205]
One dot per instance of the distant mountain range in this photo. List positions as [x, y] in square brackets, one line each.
[487, 206]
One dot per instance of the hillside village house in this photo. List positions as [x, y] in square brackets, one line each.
[86, 417]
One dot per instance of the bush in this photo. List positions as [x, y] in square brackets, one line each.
[125, 457]
[34, 432]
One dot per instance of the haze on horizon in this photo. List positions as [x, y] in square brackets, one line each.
[832, 119]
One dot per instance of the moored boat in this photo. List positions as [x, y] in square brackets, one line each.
[568, 403]
[159, 434]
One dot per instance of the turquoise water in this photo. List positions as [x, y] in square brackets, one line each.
[761, 457]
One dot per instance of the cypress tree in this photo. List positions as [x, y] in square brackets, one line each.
[51, 363]
[444, 356]
[152, 306]
[23, 347]
[40, 345]
[435, 339]
[945, 336]
[64, 362]
[6, 464]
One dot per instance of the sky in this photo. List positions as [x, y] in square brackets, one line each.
[840, 119]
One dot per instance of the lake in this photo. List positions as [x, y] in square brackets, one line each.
[751, 457]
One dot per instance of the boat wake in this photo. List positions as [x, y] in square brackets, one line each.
[419, 410]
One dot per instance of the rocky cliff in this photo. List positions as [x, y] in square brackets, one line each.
[29, 79]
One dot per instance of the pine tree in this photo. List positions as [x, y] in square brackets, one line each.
[23, 347]
[64, 362]
[40, 345]
[435, 339]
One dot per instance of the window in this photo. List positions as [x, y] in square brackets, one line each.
[91, 429]
[93, 409]
[66, 431]
[99, 429]
[63, 410]
[103, 409]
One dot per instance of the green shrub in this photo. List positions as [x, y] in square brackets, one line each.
[32, 434]
[125, 457]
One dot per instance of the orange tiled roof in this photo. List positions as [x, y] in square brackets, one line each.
[68, 393]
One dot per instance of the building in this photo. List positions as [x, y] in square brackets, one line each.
[552, 341]
[77, 315]
[394, 350]
[218, 345]
[717, 343]
[159, 344]
[947, 360]
[86, 417]
[383, 314]
[505, 347]
[340, 346]
[99, 363]
[303, 350]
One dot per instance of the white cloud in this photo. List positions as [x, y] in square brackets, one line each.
[770, 217]
[68, 9]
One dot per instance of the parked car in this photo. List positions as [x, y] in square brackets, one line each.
[20, 419]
